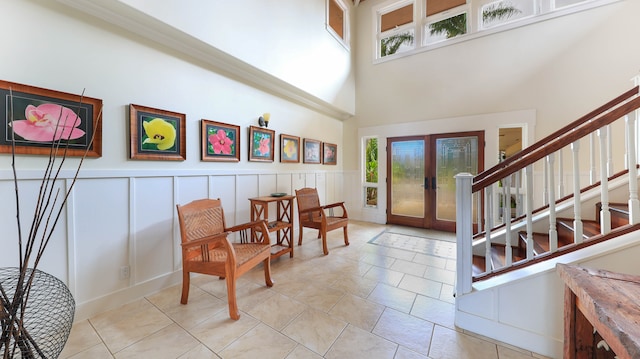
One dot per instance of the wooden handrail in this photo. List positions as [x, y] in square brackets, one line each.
[568, 128]
[552, 144]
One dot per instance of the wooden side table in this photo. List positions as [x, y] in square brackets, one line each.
[283, 225]
[604, 301]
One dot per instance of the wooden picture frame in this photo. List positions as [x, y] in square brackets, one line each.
[261, 144]
[329, 153]
[156, 134]
[219, 142]
[25, 111]
[312, 151]
[289, 148]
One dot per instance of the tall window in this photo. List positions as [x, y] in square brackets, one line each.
[337, 23]
[371, 172]
[404, 26]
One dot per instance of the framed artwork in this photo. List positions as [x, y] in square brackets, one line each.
[261, 144]
[329, 153]
[156, 134]
[289, 148]
[311, 151]
[220, 142]
[35, 118]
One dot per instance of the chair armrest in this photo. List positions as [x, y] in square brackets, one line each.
[257, 226]
[207, 240]
[247, 225]
[337, 204]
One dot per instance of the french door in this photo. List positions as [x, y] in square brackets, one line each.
[420, 176]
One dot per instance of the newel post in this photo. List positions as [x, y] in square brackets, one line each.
[464, 233]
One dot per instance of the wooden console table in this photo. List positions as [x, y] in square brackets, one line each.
[606, 301]
[283, 225]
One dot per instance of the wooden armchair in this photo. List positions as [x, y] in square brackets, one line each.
[206, 248]
[312, 215]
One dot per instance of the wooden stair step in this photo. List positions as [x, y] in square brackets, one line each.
[478, 265]
[540, 242]
[565, 229]
[498, 255]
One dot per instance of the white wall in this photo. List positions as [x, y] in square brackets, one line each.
[122, 212]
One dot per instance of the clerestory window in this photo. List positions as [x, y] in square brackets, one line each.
[337, 21]
[409, 26]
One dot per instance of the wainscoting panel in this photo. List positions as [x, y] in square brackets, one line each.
[152, 228]
[101, 236]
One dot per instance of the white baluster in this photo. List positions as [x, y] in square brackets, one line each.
[577, 203]
[553, 232]
[634, 204]
[605, 215]
[528, 172]
[592, 159]
[518, 199]
[609, 153]
[478, 207]
[508, 254]
[545, 189]
[560, 174]
[489, 207]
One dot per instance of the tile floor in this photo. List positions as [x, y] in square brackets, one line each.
[362, 301]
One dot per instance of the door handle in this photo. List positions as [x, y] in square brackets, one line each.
[433, 183]
[426, 183]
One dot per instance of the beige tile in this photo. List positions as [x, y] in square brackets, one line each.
[430, 260]
[404, 329]
[315, 330]
[170, 297]
[384, 275]
[435, 311]
[421, 286]
[81, 338]
[302, 352]
[512, 353]
[357, 311]
[408, 267]
[377, 260]
[248, 296]
[396, 298]
[357, 343]
[168, 343]
[219, 331]
[404, 353]
[440, 275]
[278, 311]
[199, 352]
[447, 294]
[355, 284]
[196, 310]
[261, 342]
[98, 351]
[119, 330]
[451, 344]
[320, 298]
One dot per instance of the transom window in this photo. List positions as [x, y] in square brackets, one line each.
[408, 26]
[337, 23]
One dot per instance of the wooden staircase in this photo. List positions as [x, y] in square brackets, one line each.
[591, 228]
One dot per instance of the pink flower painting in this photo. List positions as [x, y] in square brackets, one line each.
[48, 122]
[221, 142]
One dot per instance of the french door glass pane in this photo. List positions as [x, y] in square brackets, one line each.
[407, 191]
[453, 155]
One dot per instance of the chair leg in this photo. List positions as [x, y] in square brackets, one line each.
[300, 237]
[185, 287]
[346, 236]
[267, 272]
[324, 243]
[231, 298]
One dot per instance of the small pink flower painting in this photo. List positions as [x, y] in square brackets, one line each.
[220, 141]
[261, 146]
